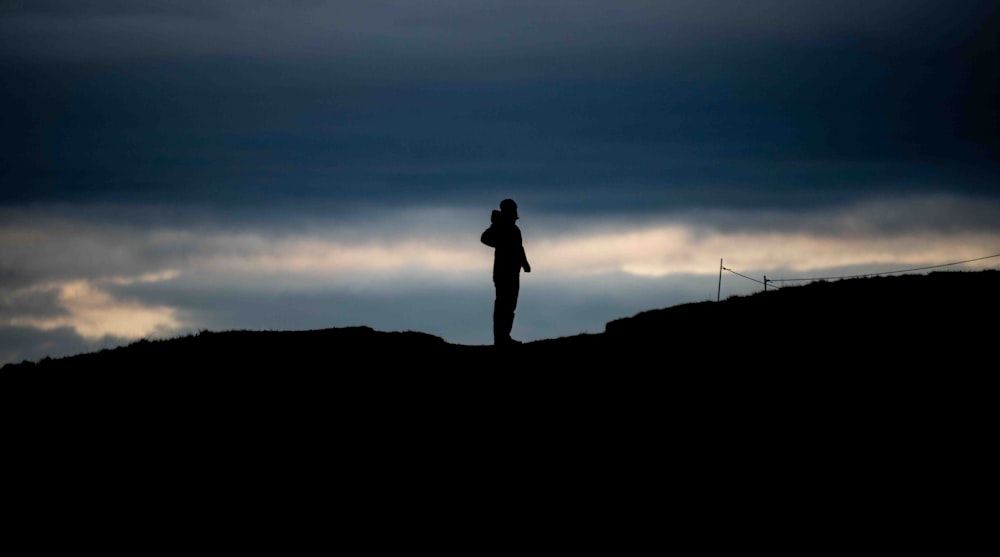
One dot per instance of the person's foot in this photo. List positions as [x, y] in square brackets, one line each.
[506, 342]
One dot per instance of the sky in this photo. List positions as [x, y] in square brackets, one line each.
[176, 167]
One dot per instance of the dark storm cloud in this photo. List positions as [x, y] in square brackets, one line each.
[640, 105]
[463, 27]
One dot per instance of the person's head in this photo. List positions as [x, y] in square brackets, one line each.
[509, 209]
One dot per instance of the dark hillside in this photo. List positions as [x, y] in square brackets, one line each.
[817, 397]
[833, 339]
[941, 318]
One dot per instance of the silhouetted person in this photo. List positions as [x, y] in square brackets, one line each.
[508, 259]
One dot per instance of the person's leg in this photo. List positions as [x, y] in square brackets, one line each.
[503, 307]
[515, 288]
[501, 311]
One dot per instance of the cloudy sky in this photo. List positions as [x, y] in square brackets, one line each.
[172, 167]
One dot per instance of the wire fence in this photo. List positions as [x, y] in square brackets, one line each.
[768, 281]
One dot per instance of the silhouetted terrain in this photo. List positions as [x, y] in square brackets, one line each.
[940, 318]
[865, 343]
[822, 397]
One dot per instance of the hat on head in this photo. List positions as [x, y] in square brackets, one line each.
[509, 207]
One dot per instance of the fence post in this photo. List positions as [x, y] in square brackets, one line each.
[719, 293]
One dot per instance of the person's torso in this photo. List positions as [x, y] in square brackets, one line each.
[507, 254]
